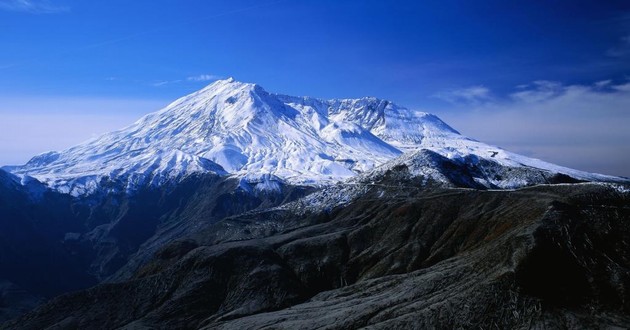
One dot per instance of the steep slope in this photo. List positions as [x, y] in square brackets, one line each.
[548, 256]
[52, 243]
[238, 128]
[237, 125]
[34, 264]
[162, 210]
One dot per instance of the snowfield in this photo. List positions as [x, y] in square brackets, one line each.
[236, 128]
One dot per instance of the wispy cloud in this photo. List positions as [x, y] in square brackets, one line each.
[204, 77]
[164, 83]
[32, 6]
[6, 66]
[580, 126]
[622, 49]
[537, 91]
[197, 78]
[603, 83]
[622, 88]
[474, 94]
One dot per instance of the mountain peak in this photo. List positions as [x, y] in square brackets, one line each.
[236, 128]
[227, 84]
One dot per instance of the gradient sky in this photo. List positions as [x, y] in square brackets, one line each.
[549, 79]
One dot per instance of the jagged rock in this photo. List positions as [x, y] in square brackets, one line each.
[546, 256]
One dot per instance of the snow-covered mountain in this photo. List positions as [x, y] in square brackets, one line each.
[238, 128]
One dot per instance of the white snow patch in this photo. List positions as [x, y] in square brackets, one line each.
[237, 128]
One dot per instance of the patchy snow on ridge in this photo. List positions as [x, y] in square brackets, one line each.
[472, 153]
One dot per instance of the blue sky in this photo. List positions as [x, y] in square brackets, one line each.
[545, 78]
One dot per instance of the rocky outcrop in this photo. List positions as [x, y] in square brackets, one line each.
[529, 258]
[52, 243]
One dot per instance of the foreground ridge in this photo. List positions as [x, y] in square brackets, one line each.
[540, 257]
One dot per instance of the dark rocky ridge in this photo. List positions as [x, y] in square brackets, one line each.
[174, 249]
[31, 227]
[545, 256]
[52, 243]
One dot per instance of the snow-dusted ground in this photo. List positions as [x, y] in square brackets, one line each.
[467, 151]
[240, 129]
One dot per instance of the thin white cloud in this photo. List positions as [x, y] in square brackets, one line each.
[160, 83]
[473, 94]
[199, 78]
[538, 91]
[204, 77]
[603, 83]
[622, 88]
[166, 82]
[579, 126]
[32, 6]
[6, 66]
[622, 49]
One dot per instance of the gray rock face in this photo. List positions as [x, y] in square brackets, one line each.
[394, 258]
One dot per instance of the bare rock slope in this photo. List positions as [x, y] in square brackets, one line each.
[545, 256]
